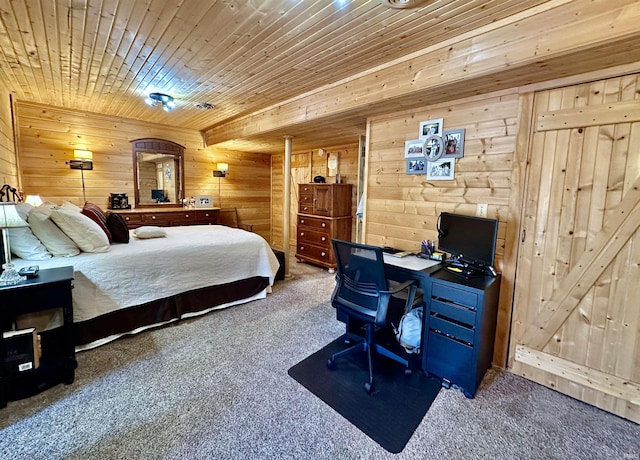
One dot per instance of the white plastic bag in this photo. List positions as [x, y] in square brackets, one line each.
[409, 331]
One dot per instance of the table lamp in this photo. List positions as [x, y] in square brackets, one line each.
[9, 218]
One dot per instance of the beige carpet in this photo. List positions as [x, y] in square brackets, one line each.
[216, 387]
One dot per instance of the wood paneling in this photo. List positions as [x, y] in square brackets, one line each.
[8, 168]
[402, 210]
[105, 55]
[48, 136]
[576, 322]
[304, 167]
[523, 49]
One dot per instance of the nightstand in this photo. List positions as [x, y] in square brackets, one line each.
[51, 289]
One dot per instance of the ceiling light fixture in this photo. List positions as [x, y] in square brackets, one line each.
[403, 4]
[205, 105]
[156, 99]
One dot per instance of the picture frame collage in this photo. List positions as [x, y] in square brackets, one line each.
[435, 150]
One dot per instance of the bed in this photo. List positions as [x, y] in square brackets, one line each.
[150, 282]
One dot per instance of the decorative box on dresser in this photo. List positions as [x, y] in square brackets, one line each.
[165, 217]
[324, 212]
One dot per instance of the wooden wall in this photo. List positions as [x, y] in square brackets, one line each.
[48, 136]
[557, 163]
[8, 168]
[304, 167]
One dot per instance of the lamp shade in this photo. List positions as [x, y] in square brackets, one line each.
[33, 200]
[9, 217]
[222, 167]
[82, 155]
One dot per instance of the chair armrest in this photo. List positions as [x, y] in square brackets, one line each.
[400, 287]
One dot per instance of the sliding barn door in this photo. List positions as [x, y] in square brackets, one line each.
[576, 321]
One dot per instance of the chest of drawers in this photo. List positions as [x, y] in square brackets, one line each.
[324, 212]
[167, 218]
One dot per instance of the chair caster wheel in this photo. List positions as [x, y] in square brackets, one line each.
[408, 372]
[368, 387]
[331, 364]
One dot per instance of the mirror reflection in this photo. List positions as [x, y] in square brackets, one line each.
[158, 172]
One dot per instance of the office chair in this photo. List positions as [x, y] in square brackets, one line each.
[362, 295]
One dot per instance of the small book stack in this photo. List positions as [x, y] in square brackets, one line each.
[22, 350]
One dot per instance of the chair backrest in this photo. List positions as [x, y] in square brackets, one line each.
[228, 217]
[360, 279]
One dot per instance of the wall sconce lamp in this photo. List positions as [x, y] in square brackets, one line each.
[221, 171]
[9, 218]
[82, 160]
[164, 100]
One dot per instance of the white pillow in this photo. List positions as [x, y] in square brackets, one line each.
[70, 206]
[23, 210]
[149, 232]
[26, 246]
[54, 239]
[81, 229]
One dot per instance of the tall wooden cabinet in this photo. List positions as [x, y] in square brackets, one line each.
[324, 212]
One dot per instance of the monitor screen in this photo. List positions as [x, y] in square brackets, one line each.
[470, 239]
[157, 195]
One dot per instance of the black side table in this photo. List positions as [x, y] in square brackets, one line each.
[51, 289]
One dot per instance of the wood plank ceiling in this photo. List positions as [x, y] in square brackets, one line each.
[241, 56]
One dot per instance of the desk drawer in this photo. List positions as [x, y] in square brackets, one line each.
[456, 312]
[450, 359]
[450, 293]
[451, 328]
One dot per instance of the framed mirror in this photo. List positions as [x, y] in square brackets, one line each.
[158, 172]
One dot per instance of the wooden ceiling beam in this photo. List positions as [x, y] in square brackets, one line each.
[553, 40]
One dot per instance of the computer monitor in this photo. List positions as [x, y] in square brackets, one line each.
[157, 195]
[470, 240]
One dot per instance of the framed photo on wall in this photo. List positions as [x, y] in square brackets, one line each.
[417, 165]
[453, 143]
[414, 148]
[430, 127]
[441, 169]
[204, 201]
[433, 147]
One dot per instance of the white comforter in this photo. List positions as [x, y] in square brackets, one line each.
[188, 258]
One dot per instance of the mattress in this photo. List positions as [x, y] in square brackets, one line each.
[147, 271]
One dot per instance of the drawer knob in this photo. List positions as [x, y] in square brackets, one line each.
[302, 248]
[206, 214]
[126, 218]
[323, 238]
[302, 221]
[186, 216]
[301, 233]
[323, 224]
[324, 254]
[153, 217]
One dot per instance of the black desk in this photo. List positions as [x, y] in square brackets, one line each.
[459, 323]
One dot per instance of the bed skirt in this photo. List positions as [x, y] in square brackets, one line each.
[107, 327]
